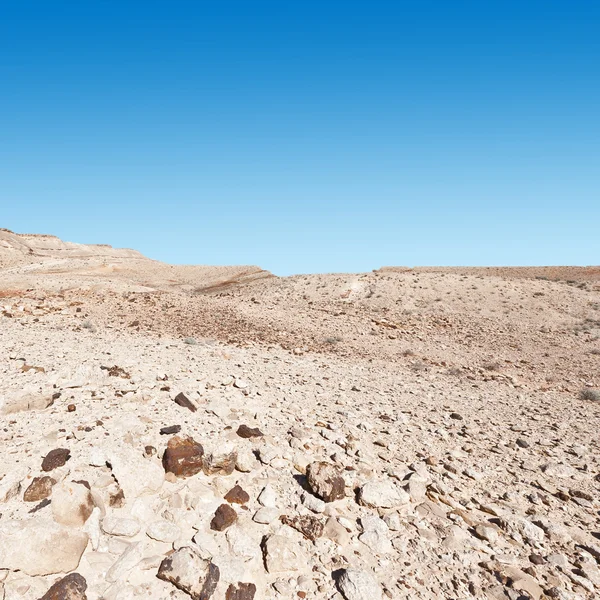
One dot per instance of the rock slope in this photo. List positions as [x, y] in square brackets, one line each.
[175, 444]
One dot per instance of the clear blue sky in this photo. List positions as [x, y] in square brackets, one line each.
[305, 136]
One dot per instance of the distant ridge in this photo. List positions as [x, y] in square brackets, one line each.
[557, 273]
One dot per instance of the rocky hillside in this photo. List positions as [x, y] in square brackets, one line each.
[229, 435]
[19, 248]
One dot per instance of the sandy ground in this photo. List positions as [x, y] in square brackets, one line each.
[459, 408]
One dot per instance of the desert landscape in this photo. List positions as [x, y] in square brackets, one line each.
[176, 432]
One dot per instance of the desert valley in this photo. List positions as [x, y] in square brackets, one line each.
[175, 432]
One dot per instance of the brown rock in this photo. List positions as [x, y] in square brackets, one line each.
[71, 587]
[240, 591]
[39, 506]
[325, 481]
[183, 457]
[149, 451]
[40, 488]
[236, 495]
[310, 527]
[55, 458]
[182, 400]
[71, 408]
[248, 432]
[117, 500]
[170, 430]
[224, 517]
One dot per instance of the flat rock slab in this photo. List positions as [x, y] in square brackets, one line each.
[31, 546]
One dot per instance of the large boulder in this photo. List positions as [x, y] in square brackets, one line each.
[382, 494]
[325, 481]
[183, 457]
[40, 547]
[136, 475]
[72, 504]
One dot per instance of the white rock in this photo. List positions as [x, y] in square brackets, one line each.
[72, 503]
[417, 489]
[92, 528]
[266, 515]
[267, 453]
[97, 457]
[313, 503]
[125, 563]
[382, 494]
[246, 461]
[24, 402]
[241, 544]
[283, 554]
[10, 485]
[359, 585]
[136, 475]
[267, 497]
[375, 535]
[32, 546]
[392, 520]
[163, 531]
[125, 527]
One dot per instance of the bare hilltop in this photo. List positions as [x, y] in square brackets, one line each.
[175, 432]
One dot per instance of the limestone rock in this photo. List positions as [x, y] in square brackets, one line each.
[125, 527]
[163, 531]
[268, 497]
[313, 503]
[283, 554]
[325, 481]
[183, 457]
[382, 494]
[266, 515]
[220, 460]
[359, 585]
[136, 475]
[72, 504]
[25, 401]
[71, 587]
[246, 461]
[191, 573]
[130, 557]
[31, 546]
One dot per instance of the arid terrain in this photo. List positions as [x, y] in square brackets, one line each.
[176, 432]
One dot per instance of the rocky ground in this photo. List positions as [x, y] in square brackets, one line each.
[176, 432]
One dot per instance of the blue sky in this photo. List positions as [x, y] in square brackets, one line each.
[305, 136]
